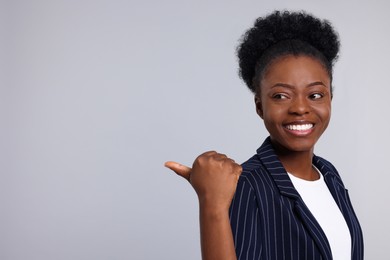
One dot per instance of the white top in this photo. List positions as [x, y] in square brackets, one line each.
[321, 204]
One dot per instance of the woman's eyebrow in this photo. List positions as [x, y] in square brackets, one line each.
[285, 85]
[282, 85]
[317, 83]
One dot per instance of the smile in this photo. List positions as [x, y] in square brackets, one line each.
[303, 127]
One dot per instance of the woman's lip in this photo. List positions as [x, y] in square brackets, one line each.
[299, 129]
[299, 126]
[298, 122]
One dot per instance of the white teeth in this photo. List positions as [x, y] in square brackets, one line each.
[299, 127]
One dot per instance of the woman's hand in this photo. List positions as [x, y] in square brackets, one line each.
[214, 177]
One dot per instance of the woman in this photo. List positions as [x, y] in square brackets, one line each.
[284, 202]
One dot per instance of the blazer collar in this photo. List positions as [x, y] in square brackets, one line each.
[275, 168]
[278, 173]
[271, 162]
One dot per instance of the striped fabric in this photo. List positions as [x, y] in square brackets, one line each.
[270, 220]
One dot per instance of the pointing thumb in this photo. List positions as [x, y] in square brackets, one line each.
[179, 169]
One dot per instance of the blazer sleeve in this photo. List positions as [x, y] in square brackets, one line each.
[244, 214]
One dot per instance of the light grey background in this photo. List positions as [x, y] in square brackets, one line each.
[96, 95]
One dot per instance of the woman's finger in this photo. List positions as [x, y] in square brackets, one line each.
[179, 169]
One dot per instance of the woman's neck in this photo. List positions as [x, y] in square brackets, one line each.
[299, 164]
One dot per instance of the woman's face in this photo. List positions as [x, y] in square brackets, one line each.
[295, 102]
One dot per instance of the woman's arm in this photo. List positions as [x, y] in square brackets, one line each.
[216, 234]
[214, 178]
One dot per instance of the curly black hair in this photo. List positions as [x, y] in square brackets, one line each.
[283, 33]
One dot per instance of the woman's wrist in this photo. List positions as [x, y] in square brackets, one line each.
[213, 210]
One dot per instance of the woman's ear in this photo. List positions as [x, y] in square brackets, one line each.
[259, 105]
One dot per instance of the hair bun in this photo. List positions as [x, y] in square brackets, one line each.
[279, 26]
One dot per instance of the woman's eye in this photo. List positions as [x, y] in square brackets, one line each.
[279, 96]
[316, 96]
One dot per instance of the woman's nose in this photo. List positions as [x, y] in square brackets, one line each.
[299, 106]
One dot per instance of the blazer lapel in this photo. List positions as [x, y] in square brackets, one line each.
[340, 195]
[276, 170]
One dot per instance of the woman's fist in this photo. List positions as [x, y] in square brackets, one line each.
[214, 177]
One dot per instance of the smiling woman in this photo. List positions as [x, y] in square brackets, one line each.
[284, 202]
[295, 106]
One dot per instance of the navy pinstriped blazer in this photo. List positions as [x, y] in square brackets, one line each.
[270, 220]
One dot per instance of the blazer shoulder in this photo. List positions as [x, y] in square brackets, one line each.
[251, 164]
[324, 165]
[253, 170]
[327, 169]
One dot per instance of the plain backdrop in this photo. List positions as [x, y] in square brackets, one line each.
[96, 95]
